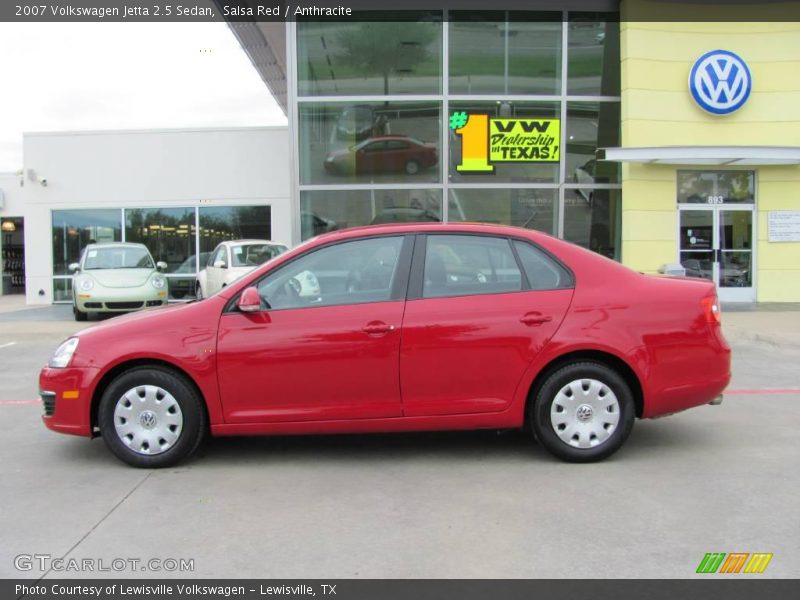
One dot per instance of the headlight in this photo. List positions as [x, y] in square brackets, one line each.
[86, 284]
[63, 354]
[158, 282]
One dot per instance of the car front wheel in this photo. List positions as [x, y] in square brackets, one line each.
[79, 315]
[583, 412]
[151, 417]
[198, 291]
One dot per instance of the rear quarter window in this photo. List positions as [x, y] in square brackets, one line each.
[543, 272]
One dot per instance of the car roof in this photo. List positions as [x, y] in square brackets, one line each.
[116, 245]
[451, 227]
[389, 138]
[242, 242]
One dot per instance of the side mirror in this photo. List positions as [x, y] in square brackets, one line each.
[249, 301]
[162, 266]
[73, 267]
[220, 264]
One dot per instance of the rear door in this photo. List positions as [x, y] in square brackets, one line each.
[480, 309]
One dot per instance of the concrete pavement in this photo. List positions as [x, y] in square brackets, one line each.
[713, 479]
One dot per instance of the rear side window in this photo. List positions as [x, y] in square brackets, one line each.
[543, 272]
[464, 265]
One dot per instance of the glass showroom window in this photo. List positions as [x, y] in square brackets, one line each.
[592, 219]
[72, 231]
[373, 56]
[594, 58]
[591, 125]
[169, 234]
[222, 223]
[533, 172]
[535, 208]
[323, 211]
[501, 52]
[369, 142]
[716, 187]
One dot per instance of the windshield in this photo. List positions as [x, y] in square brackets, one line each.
[252, 255]
[124, 257]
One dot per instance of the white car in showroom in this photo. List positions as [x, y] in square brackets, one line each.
[116, 277]
[230, 260]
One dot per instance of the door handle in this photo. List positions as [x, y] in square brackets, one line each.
[377, 328]
[533, 319]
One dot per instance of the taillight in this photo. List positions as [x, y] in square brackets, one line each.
[711, 309]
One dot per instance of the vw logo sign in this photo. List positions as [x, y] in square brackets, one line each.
[720, 82]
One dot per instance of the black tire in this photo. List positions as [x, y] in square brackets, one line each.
[79, 315]
[191, 407]
[541, 406]
[198, 291]
[412, 167]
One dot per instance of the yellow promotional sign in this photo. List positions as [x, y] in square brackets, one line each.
[524, 140]
[486, 141]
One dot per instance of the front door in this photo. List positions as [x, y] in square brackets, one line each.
[716, 242]
[319, 352]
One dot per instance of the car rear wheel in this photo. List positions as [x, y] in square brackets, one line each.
[151, 417]
[79, 315]
[412, 167]
[583, 412]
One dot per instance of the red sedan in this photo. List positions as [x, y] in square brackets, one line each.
[383, 154]
[415, 327]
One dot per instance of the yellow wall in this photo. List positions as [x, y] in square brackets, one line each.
[658, 110]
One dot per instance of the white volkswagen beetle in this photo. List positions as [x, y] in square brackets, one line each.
[116, 277]
[230, 260]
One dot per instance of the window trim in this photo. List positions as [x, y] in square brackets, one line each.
[417, 276]
[396, 293]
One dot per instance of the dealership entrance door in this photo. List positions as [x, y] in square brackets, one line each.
[715, 229]
[716, 242]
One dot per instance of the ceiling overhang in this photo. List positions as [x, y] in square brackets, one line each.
[719, 156]
[265, 45]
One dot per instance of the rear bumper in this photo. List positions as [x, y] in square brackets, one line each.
[683, 397]
[67, 398]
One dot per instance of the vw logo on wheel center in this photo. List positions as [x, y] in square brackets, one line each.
[720, 82]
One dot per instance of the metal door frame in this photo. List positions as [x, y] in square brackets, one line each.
[726, 294]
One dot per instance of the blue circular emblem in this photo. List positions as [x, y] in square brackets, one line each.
[720, 82]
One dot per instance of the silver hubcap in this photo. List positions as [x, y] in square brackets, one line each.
[148, 419]
[585, 413]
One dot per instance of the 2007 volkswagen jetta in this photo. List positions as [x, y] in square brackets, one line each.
[414, 327]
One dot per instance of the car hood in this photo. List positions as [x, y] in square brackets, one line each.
[143, 332]
[120, 278]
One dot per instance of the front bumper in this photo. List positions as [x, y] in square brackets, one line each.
[67, 399]
[102, 299]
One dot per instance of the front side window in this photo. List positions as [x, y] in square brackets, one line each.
[220, 256]
[353, 272]
[463, 265]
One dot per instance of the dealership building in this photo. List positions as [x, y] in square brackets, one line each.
[658, 143]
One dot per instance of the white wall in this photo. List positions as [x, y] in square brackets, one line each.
[13, 194]
[136, 169]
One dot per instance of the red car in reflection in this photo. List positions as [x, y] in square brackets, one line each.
[383, 154]
[424, 326]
